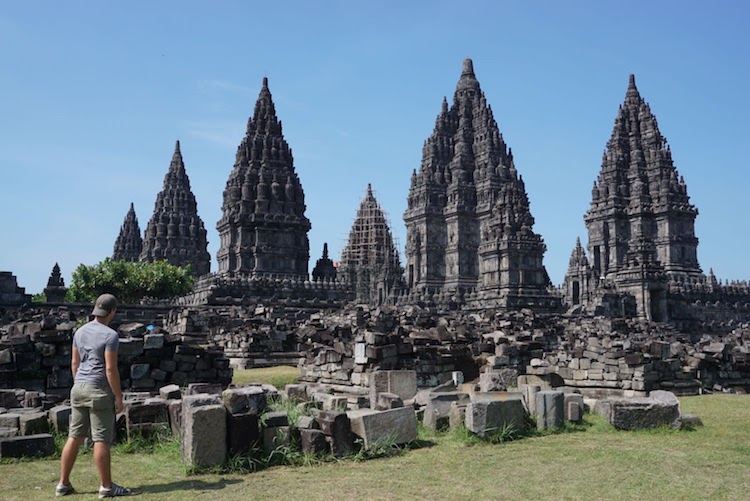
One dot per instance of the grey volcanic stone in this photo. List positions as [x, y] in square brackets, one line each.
[639, 413]
[488, 416]
[398, 426]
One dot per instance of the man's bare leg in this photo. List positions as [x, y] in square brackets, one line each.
[68, 459]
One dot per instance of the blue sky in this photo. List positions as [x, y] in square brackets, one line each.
[94, 95]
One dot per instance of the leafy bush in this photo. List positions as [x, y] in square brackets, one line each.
[129, 281]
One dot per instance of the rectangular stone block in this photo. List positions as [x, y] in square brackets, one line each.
[331, 402]
[396, 426]
[59, 418]
[437, 411]
[33, 423]
[170, 392]
[147, 418]
[658, 409]
[314, 441]
[245, 399]
[275, 437]
[401, 382]
[337, 426]
[153, 341]
[204, 435]
[210, 388]
[10, 420]
[243, 433]
[41, 445]
[486, 417]
[175, 417]
[573, 407]
[550, 409]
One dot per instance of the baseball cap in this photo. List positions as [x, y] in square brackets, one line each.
[104, 305]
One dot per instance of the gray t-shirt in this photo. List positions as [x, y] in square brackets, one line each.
[92, 340]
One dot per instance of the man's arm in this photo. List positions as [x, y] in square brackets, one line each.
[113, 377]
[75, 361]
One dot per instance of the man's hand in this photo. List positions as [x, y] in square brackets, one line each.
[119, 407]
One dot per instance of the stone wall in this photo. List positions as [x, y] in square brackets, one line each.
[597, 356]
[35, 352]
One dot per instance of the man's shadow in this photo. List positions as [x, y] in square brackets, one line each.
[185, 485]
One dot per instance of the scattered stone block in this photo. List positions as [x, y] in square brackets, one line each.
[8, 432]
[175, 417]
[243, 433]
[153, 341]
[313, 441]
[133, 329]
[437, 411]
[479, 396]
[147, 418]
[550, 409]
[40, 445]
[485, 417]
[33, 423]
[687, 421]
[8, 399]
[456, 416]
[661, 408]
[529, 395]
[139, 371]
[295, 392]
[244, 399]
[204, 434]
[275, 437]
[337, 427]
[573, 407]
[276, 419]
[331, 402]
[498, 379]
[307, 423]
[198, 388]
[403, 383]
[10, 420]
[397, 426]
[388, 401]
[170, 392]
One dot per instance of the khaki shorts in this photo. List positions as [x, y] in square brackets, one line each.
[93, 412]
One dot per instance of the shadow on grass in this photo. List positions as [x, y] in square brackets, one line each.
[186, 485]
[421, 443]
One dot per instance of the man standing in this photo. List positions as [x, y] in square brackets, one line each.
[96, 397]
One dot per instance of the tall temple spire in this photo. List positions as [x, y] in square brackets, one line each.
[465, 200]
[638, 195]
[641, 224]
[263, 228]
[369, 260]
[176, 233]
[129, 243]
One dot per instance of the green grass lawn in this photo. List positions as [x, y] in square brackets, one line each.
[712, 462]
[277, 376]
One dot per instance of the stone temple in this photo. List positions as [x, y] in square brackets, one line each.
[175, 232]
[369, 261]
[263, 228]
[468, 222]
[642, 249]
[129, 243]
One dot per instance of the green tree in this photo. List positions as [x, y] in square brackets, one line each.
[129, 281]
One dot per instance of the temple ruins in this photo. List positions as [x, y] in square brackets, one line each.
[471, 321]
